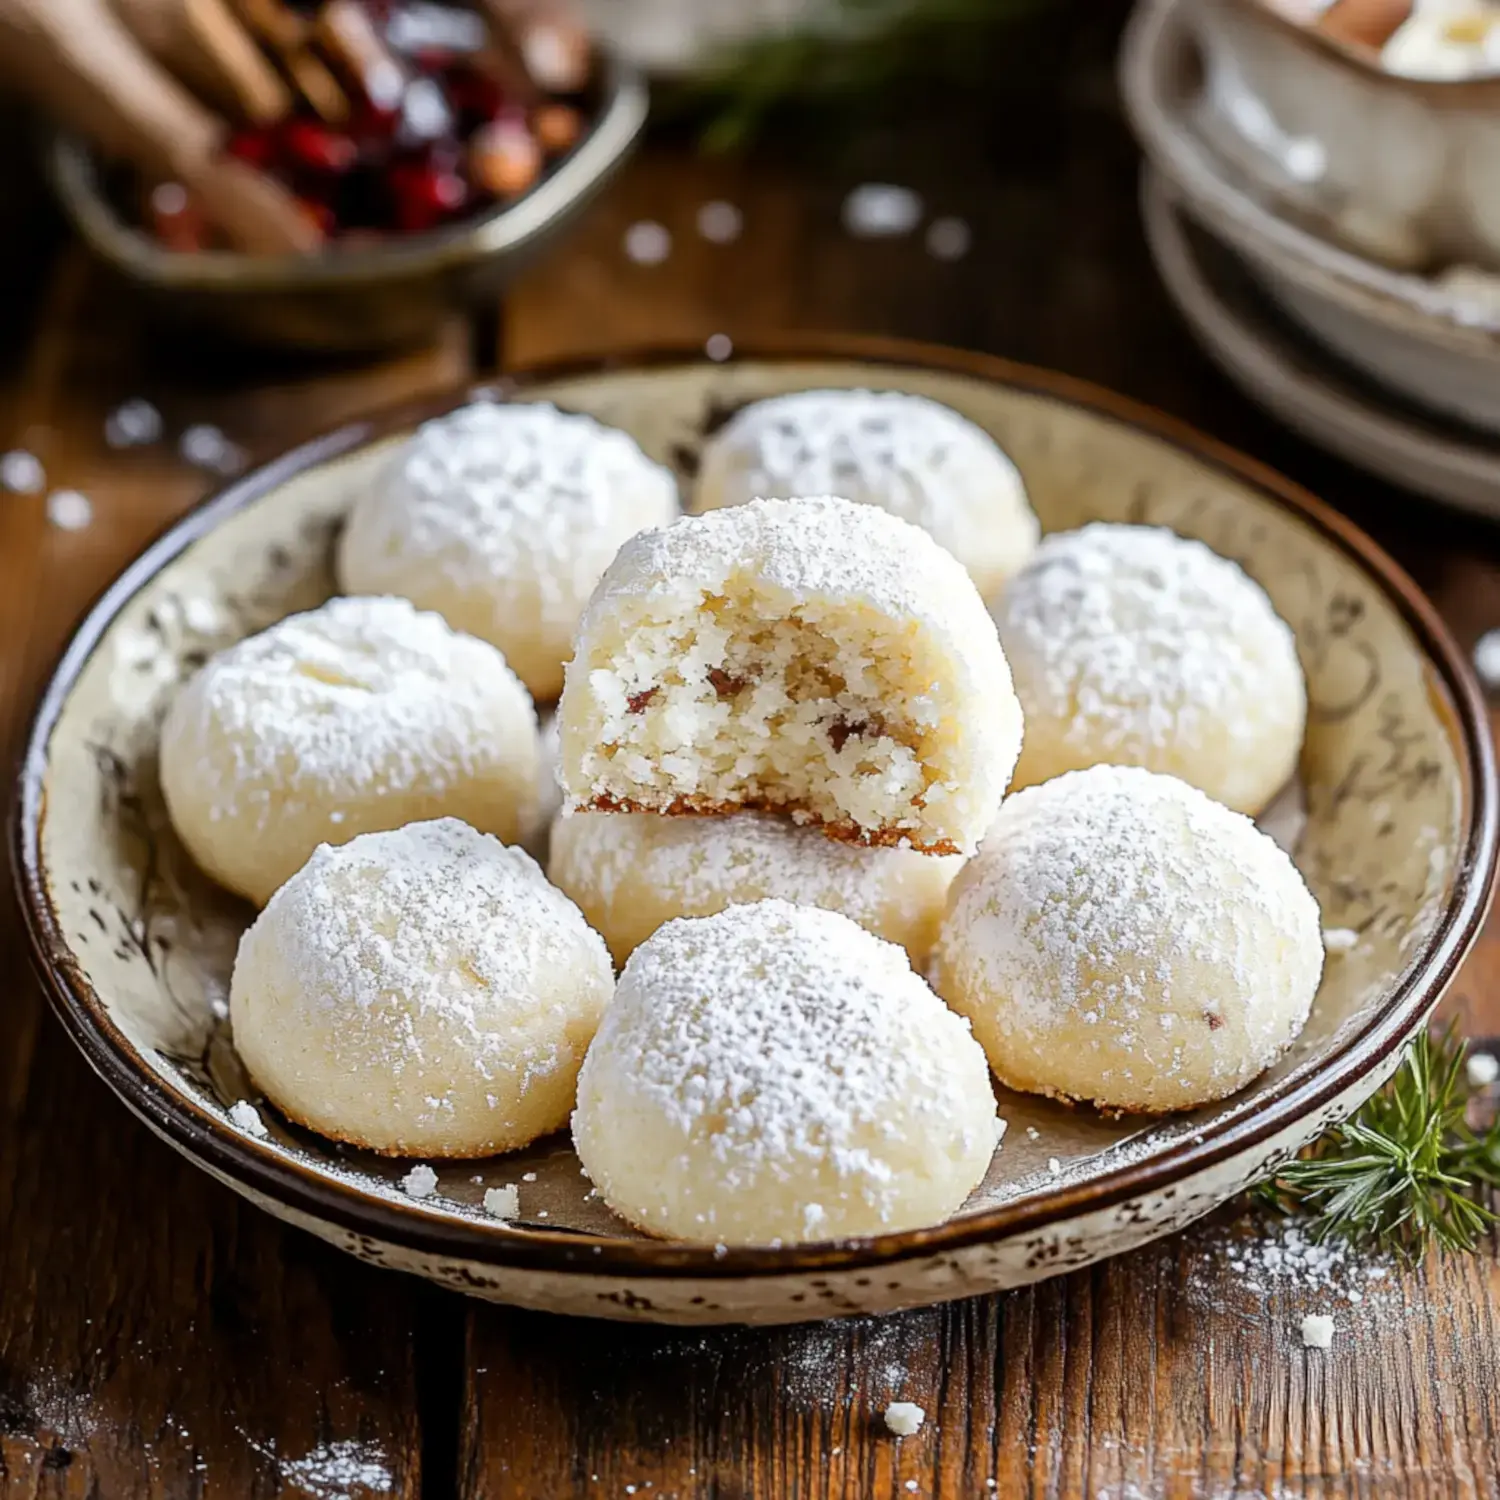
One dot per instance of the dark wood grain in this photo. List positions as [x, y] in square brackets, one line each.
[158, 1335]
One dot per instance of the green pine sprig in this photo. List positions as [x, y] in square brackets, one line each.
[855, 53]
[1406, 1171]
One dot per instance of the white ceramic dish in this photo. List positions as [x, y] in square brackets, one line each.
[1406, 170]
[1397, 842]
[1285, 372]
[1409, 333]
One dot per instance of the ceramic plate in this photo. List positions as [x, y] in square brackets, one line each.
[1396, 837]
[1278, 366]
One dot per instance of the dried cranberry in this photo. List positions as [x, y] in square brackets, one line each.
[258, 147]
[425, 195]
[475, 96]
[306, 143]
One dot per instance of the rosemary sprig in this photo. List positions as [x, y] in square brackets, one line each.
[1403, 1173]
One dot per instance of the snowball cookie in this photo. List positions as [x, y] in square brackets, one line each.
[422, 992]
[537, 837]
[908, 455]
[630, 872]
[1121, 938]
[355, 717]
[812, 657]
[502, 518]
[775, 1073]
[1133, 646]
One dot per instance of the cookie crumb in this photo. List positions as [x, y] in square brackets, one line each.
[1317, 1331]
[904, 1418]
[247, 1117]
[503, 1202]
[420, 1182]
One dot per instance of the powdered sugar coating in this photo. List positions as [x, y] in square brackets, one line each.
[1122, 938]
[1133, 646]
[631, 872]
[907, 454]
[684, 668]
[774, 1074]
[502, 517]
[358, 716]
[420, 992]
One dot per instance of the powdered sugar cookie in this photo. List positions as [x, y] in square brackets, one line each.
[1122, 938]
[630, 872]
[422, 992]
[1130, 645]
[775, 1073]
[502, 517]
[909, 455]
[812, 657]
[361, 715]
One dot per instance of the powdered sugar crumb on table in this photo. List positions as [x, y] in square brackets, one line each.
[904, 1418]
[420, 1182]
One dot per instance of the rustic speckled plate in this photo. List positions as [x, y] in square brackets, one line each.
[1394, 826]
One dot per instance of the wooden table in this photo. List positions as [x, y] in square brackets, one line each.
[160, 1337]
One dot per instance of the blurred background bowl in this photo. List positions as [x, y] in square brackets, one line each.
[1432, 340]
[362, 299]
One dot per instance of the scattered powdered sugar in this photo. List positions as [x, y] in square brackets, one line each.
[720, 222]
[904, 1418]
[647, 243]
[420, 1182]
[909, 455]
[205, 447]
[22, 473]
[784, 1043]
[503, 1202]
[343, 702]
[1099, 901]
[1340, 939]
[247, 1117]
[68, 510]
[132, 424]
[518, 503]
[948, 239]
[1482, 1069]
[1130, 639]
[1272, 1255]
[1317, 1331]
[339, 1471]
[881, 210]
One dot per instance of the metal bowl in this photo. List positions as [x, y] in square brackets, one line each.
[362, 299]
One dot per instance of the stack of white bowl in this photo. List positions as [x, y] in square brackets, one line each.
[1366, 203]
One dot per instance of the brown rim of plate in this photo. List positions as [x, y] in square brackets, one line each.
[209, 1139]
[1481, 89]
